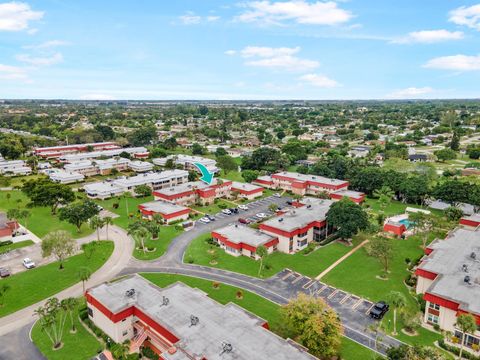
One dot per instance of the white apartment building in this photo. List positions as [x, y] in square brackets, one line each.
[65, 177]
[136, 152]
[140, 166]
[14, 167]
[188, 161]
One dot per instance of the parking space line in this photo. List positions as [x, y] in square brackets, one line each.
[287, 276]
[345, 298]
[357, 304]
[370, 308]
[333, 294]
[300, 277]
[323, 288]
[309, 284]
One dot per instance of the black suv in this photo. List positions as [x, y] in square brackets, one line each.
[379, 310]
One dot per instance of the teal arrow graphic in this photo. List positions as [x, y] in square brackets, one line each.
[207, 176]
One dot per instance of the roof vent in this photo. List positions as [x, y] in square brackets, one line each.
[165, 301]
[130, 293]
[465, 268]
[473, 255]
[309, 206]
[466, 279]
[226, 348]
[194, 320]
[280, 220]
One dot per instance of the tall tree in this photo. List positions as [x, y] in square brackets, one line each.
[398, 301]
[312, 323]
[96, 223]
[384, 195]
[79, 213]
[467, 325]
[347, 217]
[69, 305]
[60, 244]
[227, 163]
[143, 190]
[381, 248]
[262, 253]
[107, 221]
[84, 274]
[52, 318]
[44, 192]
[140, 234]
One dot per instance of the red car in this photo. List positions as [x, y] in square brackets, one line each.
[244, 221]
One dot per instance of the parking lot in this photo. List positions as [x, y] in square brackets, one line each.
[336, 298]
[257, 204]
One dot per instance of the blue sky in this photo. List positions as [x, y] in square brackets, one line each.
[266, 49]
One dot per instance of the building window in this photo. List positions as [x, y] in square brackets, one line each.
[123, 320]
[432, 319]
[90, 311]
[434, 306]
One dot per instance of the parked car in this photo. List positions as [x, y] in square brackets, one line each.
[28, 263]
[4, 272]
[289, 202]
[227, 212]
[234, 210]
[261, 215]
[204, 220]
[210, 217]
[243, 207]
[379, 310]
[277, 195]
[244, 221]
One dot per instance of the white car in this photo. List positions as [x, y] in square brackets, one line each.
[28, 263]
[277, 195]
[226, 212]
[261, 215]
[243, 207]
[205, 220]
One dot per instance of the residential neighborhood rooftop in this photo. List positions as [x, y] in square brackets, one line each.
[244, 234]
[163, 207]
[453, 259]
[315, 178]
[217, 324]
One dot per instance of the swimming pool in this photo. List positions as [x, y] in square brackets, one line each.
[406, 222]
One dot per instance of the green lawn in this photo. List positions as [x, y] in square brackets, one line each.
[213, 208]
[78, 346]
[18, 245]
[167, 233]
[31, 286]
[41, 221]
[358, 275]
[253, 303]
[127, 208]
[310, 265]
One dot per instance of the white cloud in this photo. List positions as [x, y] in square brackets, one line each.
[299, 11]
[319, 80]
[429, 36]
[468, 16]
[455, 62]
[410, 93]
[190, 18]
[15, 16]
[12, 73]
[47, 44]
[281, 58]
[97, 97]
[267, 52]
[40, 61]
[287, 62]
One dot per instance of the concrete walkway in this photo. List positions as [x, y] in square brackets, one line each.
[119, 259]
[331, 267]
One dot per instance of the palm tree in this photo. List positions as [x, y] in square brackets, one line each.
[84, 274]
[466, 323]
[384, 195]
[107, 220]
[3, 290]
[262, 253]
[140, 234]
[398, 301]
[70, 305]
[13, 214]
[157, 218]
[121, 351]
[96, 223]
